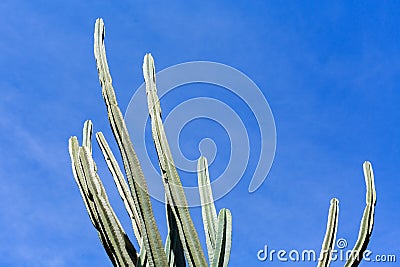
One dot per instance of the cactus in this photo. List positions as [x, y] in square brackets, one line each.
[367, 223]
[217, 229]
[173, 188]
[330, 236]
[182, 245]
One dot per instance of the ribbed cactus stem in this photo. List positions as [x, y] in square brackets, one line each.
[172, 184]
[218, 229]
[122, 247]
[151, 236]
[367, 221]
[208, 211]
[223, 239]
[121, 184]
[173, 244]
[330, 234]
[88, 197]
[111, 233]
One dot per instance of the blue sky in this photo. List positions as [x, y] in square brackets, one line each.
[328, 70]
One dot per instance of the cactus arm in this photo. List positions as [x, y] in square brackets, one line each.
[142, 260]
[172, 184]
[87, 146]
[223, 239]
[87, 197]
[168, 248]
[367, 221]
[173, 245]
[228, 234]
[174, 250]
[73, 147]
[120, 182]
[87, 135]
[89, 204]
[152, 239]
[330, 234]
[208, 210]
[125, 253]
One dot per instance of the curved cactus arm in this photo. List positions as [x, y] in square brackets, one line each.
[87, 197]
[208, 210]
[172, 184]
[173, 244]
[151, 236]
[87, 146]
[330, 234]
[367, 221]
[120, 182]
[223, 239]
[125, 252]
[73, 147]
[83, 181]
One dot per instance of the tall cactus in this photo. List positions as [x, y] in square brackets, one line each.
[182, 245]
[172, 184]
[150, 234]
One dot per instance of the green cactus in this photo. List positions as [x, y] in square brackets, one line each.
[182, 245]
[218, 229]
[367, 223]
[172, 184]
[330, 236]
